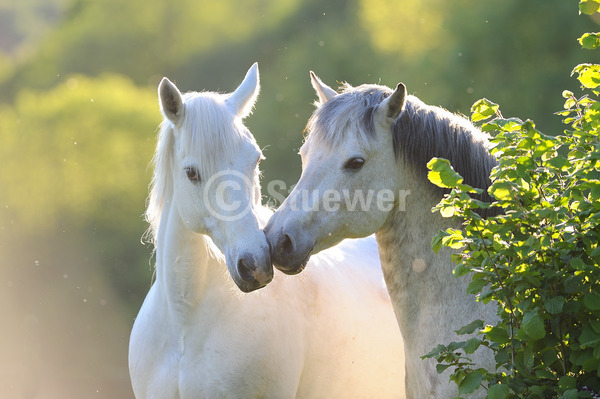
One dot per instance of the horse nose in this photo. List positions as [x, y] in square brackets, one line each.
[246, 269]
[286, 244]
[280, 242]
[250, 270]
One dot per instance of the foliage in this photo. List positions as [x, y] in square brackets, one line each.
[457, 51]
[79, 151]
[141, 39]
[539, 259]
[209, 45]
[58, 55]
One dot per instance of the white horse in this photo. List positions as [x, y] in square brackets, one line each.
[331, 334]
[364, 171]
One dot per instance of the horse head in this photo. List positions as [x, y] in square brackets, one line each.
[207, 166]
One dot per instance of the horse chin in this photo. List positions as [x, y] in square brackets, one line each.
[295, 268]
[247, 286]
[291, 271]
[250, 271]
[258, 281]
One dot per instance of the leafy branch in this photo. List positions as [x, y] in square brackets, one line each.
[539, 259]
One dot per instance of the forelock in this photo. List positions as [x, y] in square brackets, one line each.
[350, 112]
[209, 130]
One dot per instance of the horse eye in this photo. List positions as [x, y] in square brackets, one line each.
[354, 163]
[192, 174]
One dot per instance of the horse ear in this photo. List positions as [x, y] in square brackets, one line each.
[243, 98]
[171, 101]
[392, 106]
[324, 92]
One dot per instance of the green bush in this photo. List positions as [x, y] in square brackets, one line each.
[540, 258]
[79, 151]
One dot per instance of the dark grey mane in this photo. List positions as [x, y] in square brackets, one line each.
[420, 133]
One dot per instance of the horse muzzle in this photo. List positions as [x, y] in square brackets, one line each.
[253, 272]
[288, 253]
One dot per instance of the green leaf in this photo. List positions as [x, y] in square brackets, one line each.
[470, 383]
[567, 94]
[592, 301]
[567, 382]
[465, 188]
[533, 325]
[440, 368]
[506, 125]
[497, 334]
[570, 394]
[544, 374]
[543, 148]
[596, 352]
[502, 356]
[454, 239]
[470, 328]
[501, 190]
[472, 345]
[442, 174]
[558, 162]
[528, 358]
[555, 305]
[483, 109]
[588, 338]
[595, 252]
[475, 286]
[498, 391]
[589, 75]
[446, 211]
[589, 6]
[435, 352]
[436, 242]
[571, 307]
[570, 103]
[537, 391]
[595, 325]
[577, 263]
[590, 41]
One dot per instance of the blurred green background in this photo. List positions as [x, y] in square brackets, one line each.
[79, 117]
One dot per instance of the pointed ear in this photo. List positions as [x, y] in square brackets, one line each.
[243, 98]
[391, 107]
[324, 92]
[171, 101]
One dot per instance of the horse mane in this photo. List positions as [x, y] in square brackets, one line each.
[447, 135]
[209, 131]
[420, 132]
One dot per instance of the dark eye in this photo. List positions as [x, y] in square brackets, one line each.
[354, 164]
[192, 174]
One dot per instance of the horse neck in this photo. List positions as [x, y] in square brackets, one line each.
[185, 269]
[420, 282]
